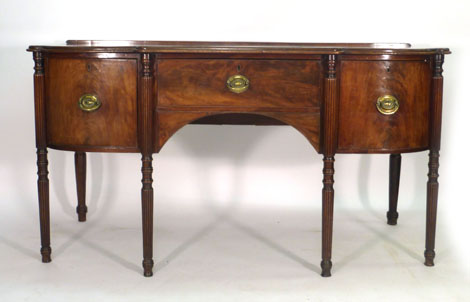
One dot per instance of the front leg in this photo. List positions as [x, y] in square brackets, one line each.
[327, 215]
[147, 214]
[41, 145]
[330, 140]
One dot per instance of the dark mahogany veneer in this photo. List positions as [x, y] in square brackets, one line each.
[148, 90]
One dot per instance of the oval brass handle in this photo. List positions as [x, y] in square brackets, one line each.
[238, 83]
[387, 104]
[89, 103]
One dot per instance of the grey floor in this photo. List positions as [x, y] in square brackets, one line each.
[229, 255]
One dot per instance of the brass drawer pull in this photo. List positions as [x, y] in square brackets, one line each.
[238, 83]
[387, 104]
[89, 103]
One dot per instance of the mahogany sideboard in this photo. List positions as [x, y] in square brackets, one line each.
[132, 96]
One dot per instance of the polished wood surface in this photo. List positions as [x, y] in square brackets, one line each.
[113, 81]
[362, 127]
[163, 47]
[151, 89]
[169, 122]
[278, 84]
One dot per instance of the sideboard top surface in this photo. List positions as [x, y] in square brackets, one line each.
[236, 47]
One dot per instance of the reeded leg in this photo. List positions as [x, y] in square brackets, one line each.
[147, 214]
[327, 215]
[431, 207]
[80, 176]
[394, 183]
[43, 194]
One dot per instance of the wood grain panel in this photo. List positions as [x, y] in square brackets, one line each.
[273, 83]
[362, 128]
[113, 81]
[171, 121]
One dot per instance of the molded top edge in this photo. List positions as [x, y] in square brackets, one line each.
[232, 47]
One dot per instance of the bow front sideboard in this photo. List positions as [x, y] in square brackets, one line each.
[132, 96]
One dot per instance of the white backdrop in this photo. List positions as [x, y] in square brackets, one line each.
[233, 166]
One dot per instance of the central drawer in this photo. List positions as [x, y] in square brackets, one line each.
[269, 84]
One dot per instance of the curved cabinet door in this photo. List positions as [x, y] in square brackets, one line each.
[402, 126]
[106, 120]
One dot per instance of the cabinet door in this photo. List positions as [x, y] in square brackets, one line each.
[362, 127]
[110, 84]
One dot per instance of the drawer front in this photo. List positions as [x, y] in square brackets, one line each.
[112, 81]
[283, 84]
[362, 127]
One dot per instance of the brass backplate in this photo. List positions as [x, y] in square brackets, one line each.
[238, 83]
[387, 104]
[89, 103]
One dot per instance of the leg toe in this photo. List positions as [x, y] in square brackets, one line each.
[46, 254]
[392, 218]
[429, 257]
[148, 266]
[326, 268]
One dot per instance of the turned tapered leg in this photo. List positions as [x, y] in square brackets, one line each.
[41, 145]
[329, 143]
[80, 176]
[431, 207]
[394, 183]
[327, 215]
[43, 194]
[147, 214]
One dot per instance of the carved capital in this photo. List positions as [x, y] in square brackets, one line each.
[147, 171]
[146, 66]
[42, 164]
[438, 62]
[38, 63]
[433, 166]
[331, 74]
[328, 172]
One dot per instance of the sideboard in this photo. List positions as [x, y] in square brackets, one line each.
[132, 96]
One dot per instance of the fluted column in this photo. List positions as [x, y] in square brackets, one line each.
[329, 144]
[433, 185]
[41, 146]
[146, 146]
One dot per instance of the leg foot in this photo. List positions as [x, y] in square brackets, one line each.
[326, 268]
[148, 266]
[392, 218]
[46, 254]
[81, 211]
[429, 257]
